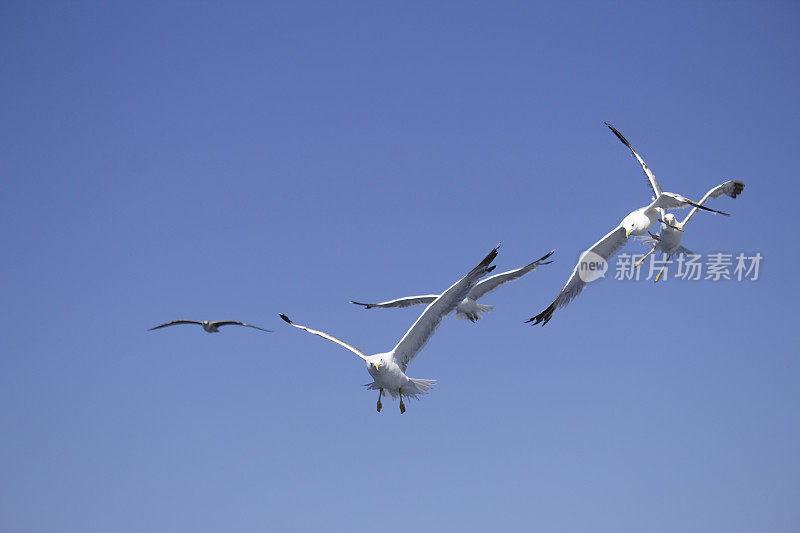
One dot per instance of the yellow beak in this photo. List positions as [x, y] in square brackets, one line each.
[627, 233]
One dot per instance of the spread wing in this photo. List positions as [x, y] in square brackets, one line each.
[422, 330]
[491, 283]
[651, 178]
[606, 248]
[732, 188]
[327, 336]
[237, 323]
[175, 323]
[670, 200]
[408, 301]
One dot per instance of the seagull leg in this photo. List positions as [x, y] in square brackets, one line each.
[470, 317]
[660, 272]
[380, 406]
[640, 261]
[402, 405]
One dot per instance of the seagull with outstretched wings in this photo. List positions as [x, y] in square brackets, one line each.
[388, 370]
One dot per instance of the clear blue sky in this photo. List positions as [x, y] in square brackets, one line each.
[233, 162]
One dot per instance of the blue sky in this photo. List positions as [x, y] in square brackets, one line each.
[215, 161]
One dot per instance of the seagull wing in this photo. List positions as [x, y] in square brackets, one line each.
[732, 188]
[177, 322]
[651, 178]
[489, 284]
[606, 248]
[670, 200]
[408, 301]
[331, 338]
[422, 330]
[237, 323]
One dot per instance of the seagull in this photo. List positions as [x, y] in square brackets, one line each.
[388, 370]
[211, 327]
[636, 223]
[468, 308]
[668, 240]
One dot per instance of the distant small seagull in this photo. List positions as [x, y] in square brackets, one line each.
[388, 370]
[211, 327]
[468, 308]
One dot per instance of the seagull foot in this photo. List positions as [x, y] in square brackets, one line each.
[380, 406]
[402, 407]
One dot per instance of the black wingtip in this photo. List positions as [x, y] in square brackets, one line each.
[709, 209]
[544, 317]
[285, 318]
[548, 254]
[491, 268]
[619, 135]
[366, 306]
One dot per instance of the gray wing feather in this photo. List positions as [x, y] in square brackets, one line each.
[651, 178]
[606, 248]
[422, 330]
[408, 301]
[326, 336]
[491, 283]
[175, 323]
[732, 188]
[237, 323]
[670, 200]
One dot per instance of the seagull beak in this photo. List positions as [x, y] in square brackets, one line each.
[670, 225]
[627, 233]
[377, 366]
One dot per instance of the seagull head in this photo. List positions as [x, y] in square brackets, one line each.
[671, 222]
[630, 227]
[375, 364]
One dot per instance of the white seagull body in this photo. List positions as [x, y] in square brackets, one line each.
[388, 370]
[636, 223]
[668, 241]
[468, 308]
[209, 326]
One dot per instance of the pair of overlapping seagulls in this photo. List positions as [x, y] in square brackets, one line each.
[388, 369]
[638, 223]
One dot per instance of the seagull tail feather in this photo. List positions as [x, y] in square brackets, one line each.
[413, 389]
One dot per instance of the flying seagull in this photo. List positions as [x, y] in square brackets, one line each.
[669, 239]
[211, 327]
[468, 308]
[388, 370]
[637, 222]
